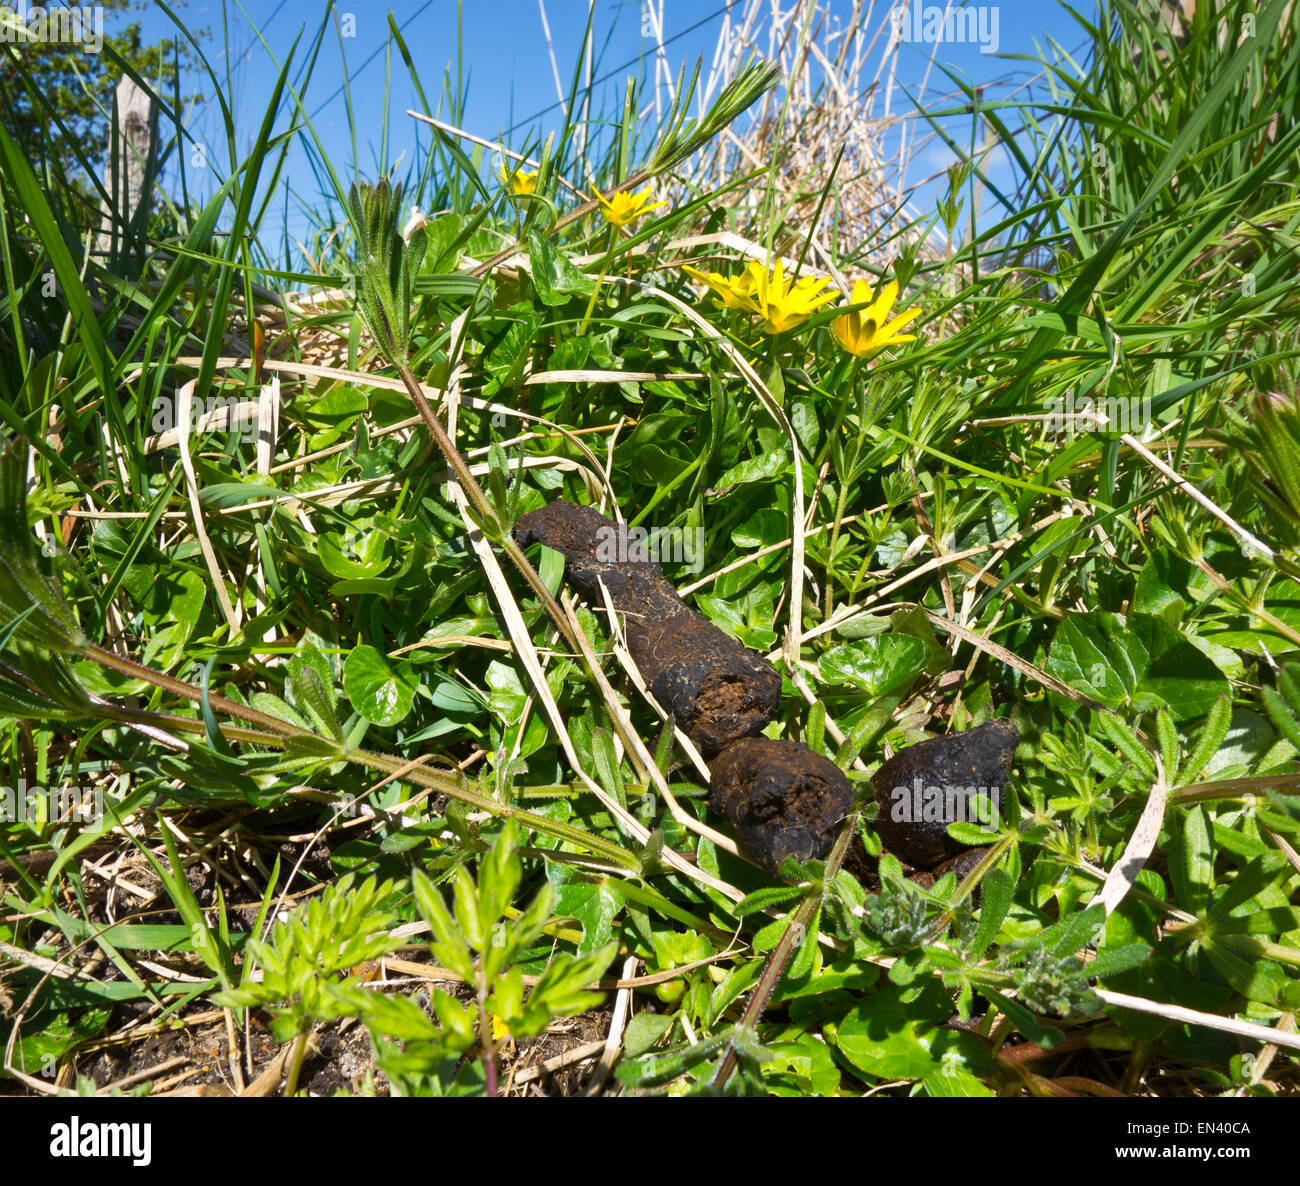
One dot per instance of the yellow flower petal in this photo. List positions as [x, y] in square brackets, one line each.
[878, 310]
[730, 292]
[904, 319]
[846, 333]
[520, 181]
[783, 303]
[622, 208]
[864, 331]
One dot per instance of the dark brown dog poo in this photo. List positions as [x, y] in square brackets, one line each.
[716, 689]
[923, 789]
[959, 866]
[781, 799]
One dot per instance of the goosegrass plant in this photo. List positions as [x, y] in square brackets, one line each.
[315, 702]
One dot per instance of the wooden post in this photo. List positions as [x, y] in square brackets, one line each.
[129, 175]
[1176, 16]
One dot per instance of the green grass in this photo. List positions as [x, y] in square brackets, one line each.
[334, 714]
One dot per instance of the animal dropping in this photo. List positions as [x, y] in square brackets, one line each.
[924, 788]
[781, 799]
[715, 688]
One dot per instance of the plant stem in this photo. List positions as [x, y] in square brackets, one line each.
[604, 271]
[278, 732]
[847, 383]
[784, 949]
[485, 1034]
[663, 491]
[190, 692]
[295, 1063]
[474, 492]
[841, 505]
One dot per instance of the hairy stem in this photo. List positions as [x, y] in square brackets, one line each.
[278, 733]
[795, 933]
[485, 1033]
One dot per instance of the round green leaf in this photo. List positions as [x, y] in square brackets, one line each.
[876, 665]
[380, 692]
[1138, 663]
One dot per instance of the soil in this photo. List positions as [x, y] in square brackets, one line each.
[339, 1058]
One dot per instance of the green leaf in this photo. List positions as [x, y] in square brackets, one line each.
[768, 896]
[1248, 885]
[995, 902]
[31, 196]
[556, 278]
[1126, 741]
[805, 957]
[448, 945]
[595, 905]
[1262, 922]
[896, 1033]
[396, 1016]
[654, 1070]
[506, 358]
[1163, 586]
[1116, 960]
[757, 469]
[954, 1082]
[466, 906]
[1170, 747]
[1191, 863]
[1281, 715]
[1138, 663]
[876, 665]
[1023, 1019]
[801, 1066]
[27, 596]
[499, 875]
[380, 692]
[643, 1031]
[1209, 739]
[310, 687]
[355, 554]
[1255, 979]
[38, 1051]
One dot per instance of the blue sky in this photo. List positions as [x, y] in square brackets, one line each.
[506, 69]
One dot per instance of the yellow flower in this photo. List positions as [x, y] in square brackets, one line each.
[783, 303]
[500, 1031]
[520, 181]
[863, 331]
[733, 294]
[623, 208]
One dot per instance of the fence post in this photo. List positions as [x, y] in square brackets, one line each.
[131, 164]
